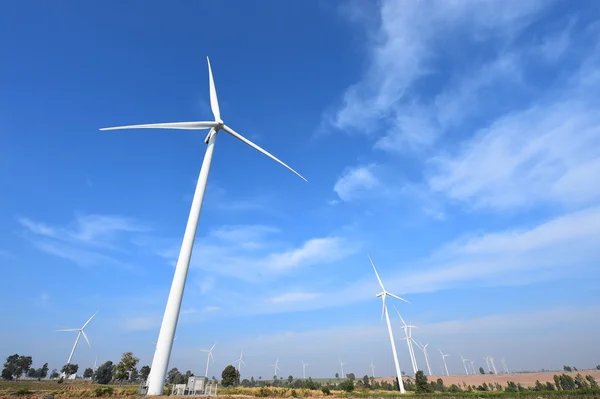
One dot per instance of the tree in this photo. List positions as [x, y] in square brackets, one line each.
[337, 376]
[366, 381]
[125, 367]
[23, 365]
[15, 366]
[88, 373]
[481, 370]
[351, 376]
[144, 372]
[229, 376]
[421, 383]
[246, 383]
[567, 368]
[598, 367]
[43, 371]
[104, 373]
[347, 385]
[70, 369]
[290, 379]
[54, 374]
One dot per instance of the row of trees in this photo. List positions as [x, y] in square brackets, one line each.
[17, 366]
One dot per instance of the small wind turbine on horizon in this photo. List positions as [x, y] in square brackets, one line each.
[473, 366]
[240, 362]
[487, 362]
[425, 354]
[409, 341]
[504, 366]
[160, 362]
[342, 366]
[209, 357]
[444, 360]
[384, 312]
[493, 365]
[464, 363]
[372, 366]
[80, 332]
[304, 369]
[275, 366]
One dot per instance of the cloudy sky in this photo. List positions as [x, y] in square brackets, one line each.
[456, 142]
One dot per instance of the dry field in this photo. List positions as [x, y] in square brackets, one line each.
[526, 379]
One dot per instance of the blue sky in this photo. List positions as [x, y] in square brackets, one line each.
[455, 142]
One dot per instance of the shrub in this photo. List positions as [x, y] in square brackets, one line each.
[60, 380]
[326, 391]
[22, 392]
[293, 393]
[263, 392]
[347, 385]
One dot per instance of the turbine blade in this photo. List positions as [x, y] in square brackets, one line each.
[168, 125]
[90, 319]
[214, 103]
[243, 361]
[403, 322]
[69, 329]
[377, 274]
[397, 297]
[86, 338]
[251, 144]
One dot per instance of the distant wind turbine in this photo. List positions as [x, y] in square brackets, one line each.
[504, 366]
[444, 360]
[209, 357]
[425, 354]
[240, 362]
[275, 366]
[409, 341]
[487, 362]
[464, 363]
[304, 369]
[342, 366]
[80, 332]
[473, 367]
[372, 368]
[493, 365]
[162, 354]
[384, 312]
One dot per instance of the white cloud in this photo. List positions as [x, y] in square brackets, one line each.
[356, 182]
[257, 252]
[294, 297]
[404, 51]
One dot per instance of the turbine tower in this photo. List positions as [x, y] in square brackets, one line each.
[504, 366]
[304, 369]
[275, 366]
[209, 357]
[409, 341]
[342, 366]
[240, 362]
[80, 332]
[464, 362]
[487, 362]
[493, 365]
[384, 312]
[424, 349]
[444, 360]
[372, 368]
[473, 366]
[160, 362]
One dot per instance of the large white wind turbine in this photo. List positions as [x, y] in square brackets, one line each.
[372, 368]
[240, 362]
[342, 366]
[409, 341]
[304, 369]
[160, 362]
[80, 332]
[425, 354]
[464, 362]
[209, 357]
[444, 360]
[384, 312]
[275, 366]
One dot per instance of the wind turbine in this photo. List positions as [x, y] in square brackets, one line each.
[80, 332]
[504, 365]
[384, 312]
[493, 365]
[342, 366]
[304, 369]
[209, 357]
[473, 366]
[239, 362]
[160, 362]
[372, 368]
[276, 366]
[409, 341]
[424, 349]
[487, 362]
[464, 363]
[444, 360]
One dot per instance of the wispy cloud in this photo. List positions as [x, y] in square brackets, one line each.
[295, 297]
[87, 241]
[356, 182]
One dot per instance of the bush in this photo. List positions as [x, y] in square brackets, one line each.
[23, 391]
[293, 393]
[60, 380]
[326, 391]
[347, 385]
[263, 392]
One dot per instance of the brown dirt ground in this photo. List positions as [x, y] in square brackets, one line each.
[526, 379]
